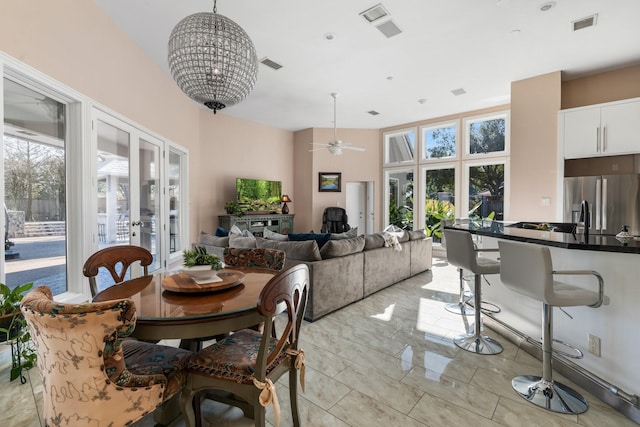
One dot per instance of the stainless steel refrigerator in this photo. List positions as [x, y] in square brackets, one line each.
[614, 201]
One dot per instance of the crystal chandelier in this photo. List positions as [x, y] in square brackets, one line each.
[212, 59]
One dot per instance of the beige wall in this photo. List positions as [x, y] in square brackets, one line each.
[534, 156]
[602, 87]
[355, 166]
[303, 190]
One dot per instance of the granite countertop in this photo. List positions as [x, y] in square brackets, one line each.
[514, 231]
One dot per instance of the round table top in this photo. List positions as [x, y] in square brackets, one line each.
[155, 304]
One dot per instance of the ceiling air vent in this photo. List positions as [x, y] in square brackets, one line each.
[389, 29]
[373, 112]
[376, 12]
[271, 64]
[587, 22]
[458, 91]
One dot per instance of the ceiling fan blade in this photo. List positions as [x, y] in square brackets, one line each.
[318, 149]
[353, 148]
[319, 145]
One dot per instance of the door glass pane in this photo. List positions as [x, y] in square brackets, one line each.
[440, 190]
[35, 188]
[113, 185]
[175, 176]
[439, 142]
[150, 200]
[400, 190]
[486, 191]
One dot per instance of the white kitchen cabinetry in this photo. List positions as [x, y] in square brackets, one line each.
[601, 130]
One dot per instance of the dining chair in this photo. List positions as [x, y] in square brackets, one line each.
[242, 368]
[92, 374]
[273, 259]
[116, 260]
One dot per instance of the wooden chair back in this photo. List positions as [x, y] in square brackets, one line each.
[116, 260]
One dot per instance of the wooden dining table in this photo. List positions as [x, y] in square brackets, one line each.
[191, 315]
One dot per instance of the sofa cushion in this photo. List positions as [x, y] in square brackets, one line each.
[342, 247]
[404, 237]
[319, 238]
[373, 241]
[306, 250]
[417, 234]
[272, 235]
[236, 241]
[346, 235]
[208, 239]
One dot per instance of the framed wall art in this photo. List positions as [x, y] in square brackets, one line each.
[330, 181]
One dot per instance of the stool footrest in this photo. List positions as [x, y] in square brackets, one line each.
[463, 309]
[577, 355]
[549, 395]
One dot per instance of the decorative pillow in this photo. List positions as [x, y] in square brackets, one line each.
[235, 230]
[272, 235]
[320, 238]
[404, 237]
[417, 234]
[346, 235]
[342, 247]
[306, 250]
[221, 232]
[373, 241]
[208, 239]
[236, 241]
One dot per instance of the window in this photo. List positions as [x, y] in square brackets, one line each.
[486, 134]
[399, 198]
[485, 183]
[439, 197]
[440, 141]
[399, 147]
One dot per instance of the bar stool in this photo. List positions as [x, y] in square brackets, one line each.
[463, 254]
[461, 307]
[528, 270]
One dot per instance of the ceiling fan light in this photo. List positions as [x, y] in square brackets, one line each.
[336, 151]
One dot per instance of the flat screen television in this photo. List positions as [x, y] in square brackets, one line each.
[259, 194]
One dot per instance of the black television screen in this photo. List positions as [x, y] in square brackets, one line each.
[259, 194]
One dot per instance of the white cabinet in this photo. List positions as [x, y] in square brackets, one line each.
[601, 130]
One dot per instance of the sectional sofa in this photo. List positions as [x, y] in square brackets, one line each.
[343, 269]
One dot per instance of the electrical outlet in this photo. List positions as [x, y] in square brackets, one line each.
[594, 345]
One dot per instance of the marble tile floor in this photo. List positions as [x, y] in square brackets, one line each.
[386, 361]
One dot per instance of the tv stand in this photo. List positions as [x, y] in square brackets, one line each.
[256, 223]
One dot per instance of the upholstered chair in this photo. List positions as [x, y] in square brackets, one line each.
[116, 260]
[272, 259]
[242, 368]
[90, 374]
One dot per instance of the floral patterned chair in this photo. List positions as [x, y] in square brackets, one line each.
[90, 374]
[242, 368]
[272, 259]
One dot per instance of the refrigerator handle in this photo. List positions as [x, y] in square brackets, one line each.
[604, 204]
[598, 206]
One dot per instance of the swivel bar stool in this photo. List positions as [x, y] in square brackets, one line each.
[461, 307]
[528, 270]
[463, 254]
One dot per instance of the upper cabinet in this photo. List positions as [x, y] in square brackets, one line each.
[601, 130]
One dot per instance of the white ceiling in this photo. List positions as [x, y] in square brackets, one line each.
[479, 45]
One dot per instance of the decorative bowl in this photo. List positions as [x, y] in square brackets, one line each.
[199, 272]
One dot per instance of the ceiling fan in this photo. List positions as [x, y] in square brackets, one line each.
[336, 146]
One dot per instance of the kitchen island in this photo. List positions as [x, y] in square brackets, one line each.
[615, 324]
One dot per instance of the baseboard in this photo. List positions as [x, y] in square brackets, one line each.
[608, 393]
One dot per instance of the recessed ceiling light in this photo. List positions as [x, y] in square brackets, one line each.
[422, 100]
[389, 78]
[515, 32]
[329, 36]
[547, 6]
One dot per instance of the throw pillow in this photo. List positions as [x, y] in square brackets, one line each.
[236, 241]
[208, 239]
[404, 237]
[320, 238]
[235, 230]
[346, 235]
[221, 232]
[272, 235]
[342, 247]
[373, 241]
[306, 250]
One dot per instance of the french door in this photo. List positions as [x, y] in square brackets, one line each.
[128, 186]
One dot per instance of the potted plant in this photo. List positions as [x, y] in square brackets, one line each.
[233, 208]
[199, 264]
[14, 327]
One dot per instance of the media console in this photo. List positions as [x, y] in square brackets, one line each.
[256, 223]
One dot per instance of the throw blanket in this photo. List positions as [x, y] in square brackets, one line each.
[391, 240]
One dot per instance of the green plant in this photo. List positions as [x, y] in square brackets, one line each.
[8, 244]
[234, 208]
[24, 357]
[435, 212]
[199, 256]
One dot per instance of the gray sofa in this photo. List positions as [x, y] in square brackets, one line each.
[347, 270]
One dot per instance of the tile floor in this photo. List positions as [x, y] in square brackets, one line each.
[386, 361]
